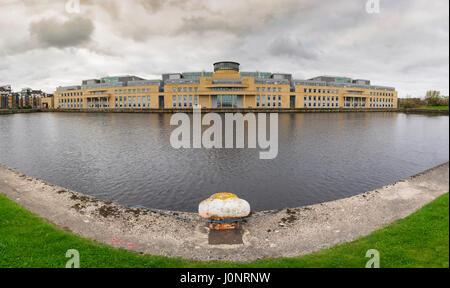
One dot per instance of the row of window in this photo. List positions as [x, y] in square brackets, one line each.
[320, 98]
[312, 90]
[373, 105]
[269, 89]
[132, 102]
[185, 89]
[227, 89]
[195, 89]
[321, 101]
[328, 91]
[98, 103]
[381, 94]
[72, 94]
[382, 100]
[120, 102]
[70, 103]
[133, 91]
[271, 101]
[184, 101]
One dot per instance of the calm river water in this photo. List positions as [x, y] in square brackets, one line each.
[128, 157]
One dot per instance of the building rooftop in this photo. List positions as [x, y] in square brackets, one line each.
[194, 78]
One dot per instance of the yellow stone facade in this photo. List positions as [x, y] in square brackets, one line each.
[226, 87]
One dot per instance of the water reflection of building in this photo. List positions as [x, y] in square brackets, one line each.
[226, 87]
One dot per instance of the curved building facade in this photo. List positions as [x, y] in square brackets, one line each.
[226, 87]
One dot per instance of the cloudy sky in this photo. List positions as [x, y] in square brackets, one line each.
[46, 43]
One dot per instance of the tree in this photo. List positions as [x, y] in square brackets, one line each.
[433, 98]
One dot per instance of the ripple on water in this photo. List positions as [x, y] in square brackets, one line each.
[128, 158]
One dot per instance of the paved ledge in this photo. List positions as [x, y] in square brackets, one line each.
[289, 233]
[234, 110]
[426, 111]
[14, 111]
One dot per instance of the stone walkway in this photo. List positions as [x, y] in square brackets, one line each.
[289, 233]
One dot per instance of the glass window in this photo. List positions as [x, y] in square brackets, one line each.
[227, 101]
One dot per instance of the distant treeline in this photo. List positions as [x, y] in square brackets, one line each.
[432, 98]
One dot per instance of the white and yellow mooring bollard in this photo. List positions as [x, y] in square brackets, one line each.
[222, 206]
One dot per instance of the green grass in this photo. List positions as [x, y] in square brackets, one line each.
[437, 107]
[420, 240]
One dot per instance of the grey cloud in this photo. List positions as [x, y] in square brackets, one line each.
[425, 65]
[202, 24]
[178, 17]
[152, 5]
[406, 42]
[50, 32]
[290, 47]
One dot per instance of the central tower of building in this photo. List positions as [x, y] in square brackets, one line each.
[226, 65]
